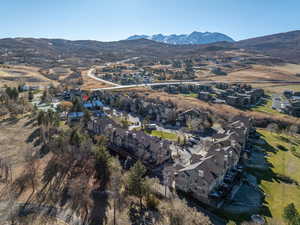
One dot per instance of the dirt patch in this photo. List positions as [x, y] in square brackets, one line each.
[89, 83]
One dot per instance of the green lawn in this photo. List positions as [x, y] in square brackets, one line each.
[164, 135]
[279, 193]
[266, 107]
[194, 95]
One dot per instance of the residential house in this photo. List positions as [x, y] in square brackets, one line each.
[74, 116]
[151, 150]
[211, 178]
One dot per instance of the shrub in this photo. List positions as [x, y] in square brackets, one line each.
[180, 214]
[295, 151]
[296, 220]
[290, 213]
[152, 202]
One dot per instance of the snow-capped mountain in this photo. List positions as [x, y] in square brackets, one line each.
[181, 39]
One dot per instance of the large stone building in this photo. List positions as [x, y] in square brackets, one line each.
[208, 170]
[210, 177]
[152, 151]
[237, 95]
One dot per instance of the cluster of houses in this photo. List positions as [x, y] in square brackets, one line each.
[210, 173]
[237, 95]
[70, 95]
[153, 110]
[29, 88]
[128, 78]
[152, 151]
[289, 104]
[84, 102]
[205, 167]
[207, 171]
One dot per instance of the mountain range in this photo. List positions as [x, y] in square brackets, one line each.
[47, 52]
[183, 39]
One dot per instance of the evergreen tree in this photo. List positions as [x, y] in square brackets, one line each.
[86, 118]
[103, 163]
[12, 93]
[290, 213]
[77, 106]
[45, 96]
[137, 184]
[41, 118]
[75, 138]
[30, 96]
[19, 88]
[296, 220]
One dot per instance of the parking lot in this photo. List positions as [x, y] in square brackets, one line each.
[247, 198]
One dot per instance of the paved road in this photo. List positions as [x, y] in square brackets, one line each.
[186, 82]
[151, 85]
[91, 74]
[276, 104]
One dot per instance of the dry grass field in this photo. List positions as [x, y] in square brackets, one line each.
[288, 68]
[14, 140]
[263, 73]
[18, 139]
[89, 83]
[61, 72]
[277, 88]
[14, 75]
[268, 74]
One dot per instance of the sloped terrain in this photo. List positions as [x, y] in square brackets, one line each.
[283, 45]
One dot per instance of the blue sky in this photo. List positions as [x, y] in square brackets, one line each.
[108, 20]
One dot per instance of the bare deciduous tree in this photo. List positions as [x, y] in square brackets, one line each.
[181, 214]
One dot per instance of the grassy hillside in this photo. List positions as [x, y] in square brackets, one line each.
[266, 107]
[278, 182]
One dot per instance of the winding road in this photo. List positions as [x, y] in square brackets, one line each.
[91, 74]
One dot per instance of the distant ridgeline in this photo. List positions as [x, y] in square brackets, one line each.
[182, 39]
